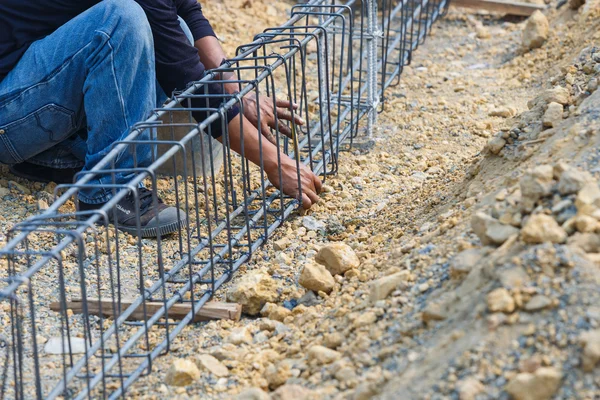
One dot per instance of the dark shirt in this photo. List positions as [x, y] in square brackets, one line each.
[22, 22]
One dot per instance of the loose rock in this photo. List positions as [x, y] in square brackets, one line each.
[333, 340]
[292, 392]
[500, 300]
[540, 385]
[536, 31]
[322, 355]
[469, 388]
[317, 278]
[253, 290]
[239, 336]
[591, 349]
[56, 345]
[553, 115]
[464, 262]
[275, 312]
[537, 303]
[490, 230]
[182, 373]
[337, 258]
[503, 112]
[382, 287]
[277, 375]
[535, 184]
[541, 228]
[588, 199]
[209, 363]
[495, 144]
[573, 180]
[253, 393]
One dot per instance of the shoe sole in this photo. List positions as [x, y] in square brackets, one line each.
[155, 231]
[27, 176]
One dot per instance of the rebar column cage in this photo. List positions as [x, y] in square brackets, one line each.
[334, 60]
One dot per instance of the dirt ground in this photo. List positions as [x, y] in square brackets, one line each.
[473, 220]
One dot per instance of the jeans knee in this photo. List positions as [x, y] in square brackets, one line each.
[131, 19]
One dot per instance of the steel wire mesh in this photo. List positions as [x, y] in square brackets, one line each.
[334, 60]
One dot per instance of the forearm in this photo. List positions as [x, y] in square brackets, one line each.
[253, 146]
[212, 55]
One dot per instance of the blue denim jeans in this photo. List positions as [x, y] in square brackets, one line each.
[80, 89]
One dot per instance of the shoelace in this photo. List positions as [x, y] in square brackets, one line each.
[145, 197]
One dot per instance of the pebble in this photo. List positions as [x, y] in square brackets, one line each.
[572, 181]
[317, 278]
[18, 187]
[42, 205]
[464, 262]
[553, 115]
[322, 355]
[312, 224]
[365, 319]
[536, 30]
[277, 375]
[537, 303]
[253, 393]
[239, 336]
[253, 290]
[489, 230]
[586, 223]
[535, 184]
[503, 112]
[541, 385]
[469, 388]
[275, 312]
[59, 345]
[500, 300]
[557, 94]
[333, 340]
[434, 312]
[382, 287]
[588, 199]
[541, 228]
[591, 349]
[309, 299]
[292, 392]
[206, 362]
[182, 373]
[495, 144]
[337, 258]
[281, 244]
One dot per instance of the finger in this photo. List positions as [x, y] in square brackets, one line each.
[318, 184]
[284, 129]
[314, 198]
[287, 116]
[306, 203]
[285, 104]
[266, 132]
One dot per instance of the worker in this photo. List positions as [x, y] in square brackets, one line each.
[76, 75]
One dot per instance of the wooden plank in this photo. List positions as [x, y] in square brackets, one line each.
[505, 7]
[211, 310]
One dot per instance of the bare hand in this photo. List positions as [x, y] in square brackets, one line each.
[267, 115]
[310, 184]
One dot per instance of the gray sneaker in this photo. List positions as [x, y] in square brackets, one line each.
[155, 219]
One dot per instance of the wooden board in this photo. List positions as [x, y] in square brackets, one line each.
[505, 7]
[211, 310]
